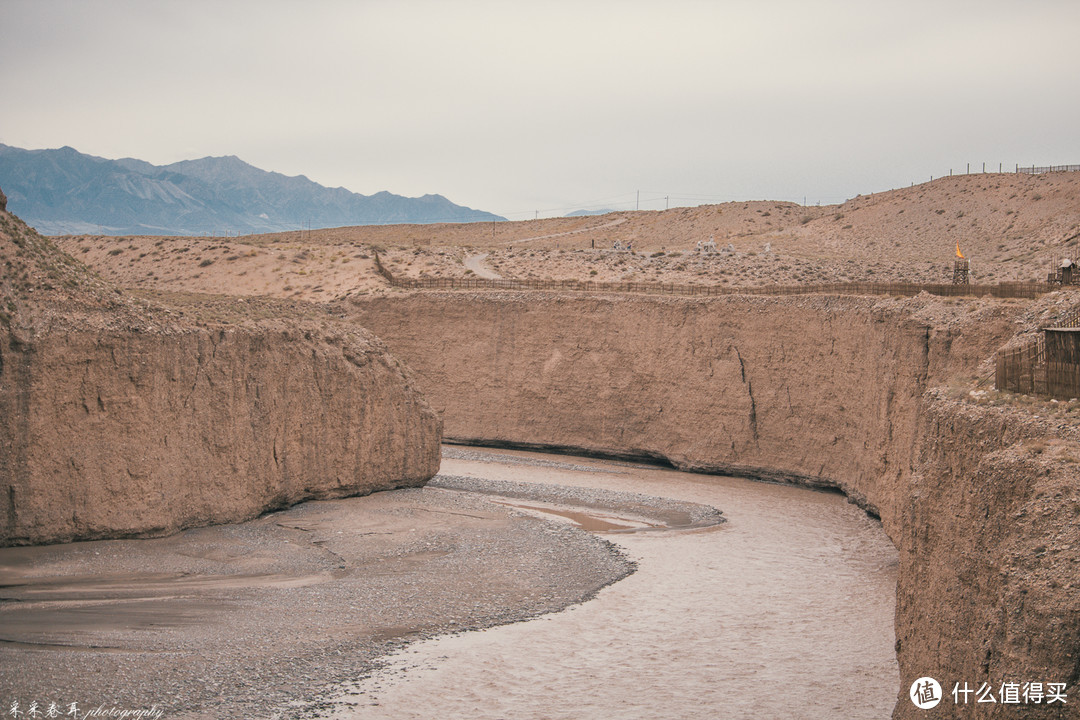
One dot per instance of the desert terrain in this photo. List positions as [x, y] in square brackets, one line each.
[889, 400]
[1012, 227]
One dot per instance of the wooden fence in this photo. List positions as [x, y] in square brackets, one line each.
[1036, 170]
[1022, 369]
[1047, 365]
[1070, 319]
[1063, 362]
[1002, 290]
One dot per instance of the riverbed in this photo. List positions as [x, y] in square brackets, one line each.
[784, 610]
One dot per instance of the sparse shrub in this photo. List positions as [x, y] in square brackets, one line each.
[206, 263]
[1035, 447]
[116, 251]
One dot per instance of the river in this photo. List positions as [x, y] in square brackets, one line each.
[784, 611]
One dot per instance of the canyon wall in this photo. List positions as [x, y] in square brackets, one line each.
[823, 391]
[110, 432]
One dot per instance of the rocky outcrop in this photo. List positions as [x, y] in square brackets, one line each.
[120, 418]
[823, 391]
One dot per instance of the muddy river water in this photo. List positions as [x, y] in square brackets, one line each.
[785, 610]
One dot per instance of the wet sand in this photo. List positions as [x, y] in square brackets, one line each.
[261, 619]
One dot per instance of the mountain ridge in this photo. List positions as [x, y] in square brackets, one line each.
[62, 191]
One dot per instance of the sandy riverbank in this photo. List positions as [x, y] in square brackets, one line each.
[268, 616]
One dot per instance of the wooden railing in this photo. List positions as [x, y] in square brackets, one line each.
[1022, 369]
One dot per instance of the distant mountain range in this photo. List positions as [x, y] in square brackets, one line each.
[63, 191]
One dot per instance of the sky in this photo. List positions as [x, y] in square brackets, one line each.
[537, 109]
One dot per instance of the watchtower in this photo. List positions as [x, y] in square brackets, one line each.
[961, 274]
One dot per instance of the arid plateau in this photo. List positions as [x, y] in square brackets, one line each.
[152, 385]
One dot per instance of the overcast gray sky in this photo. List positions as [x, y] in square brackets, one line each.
[516, 107]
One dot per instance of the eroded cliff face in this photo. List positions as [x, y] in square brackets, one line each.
[115, 433]
[119, 417]
[819, 390]
[825, 391]
[989, 588]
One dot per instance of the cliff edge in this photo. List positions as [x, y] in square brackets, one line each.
[120, 416]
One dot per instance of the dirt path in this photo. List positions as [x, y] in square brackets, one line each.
[613, 223]
[476, 264]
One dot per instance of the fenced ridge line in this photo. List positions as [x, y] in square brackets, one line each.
[1039, 169]
[1026, 290]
